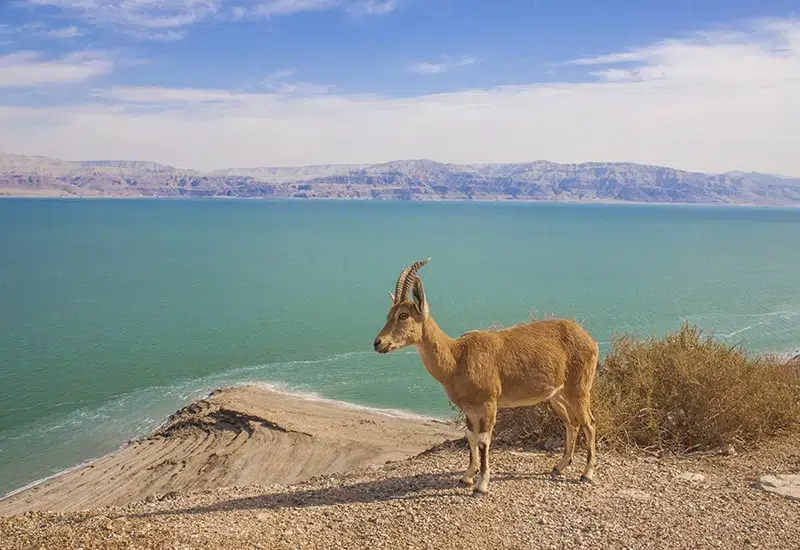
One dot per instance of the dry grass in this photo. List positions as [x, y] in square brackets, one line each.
[683, 392]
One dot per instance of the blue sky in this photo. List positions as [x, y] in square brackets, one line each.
[207, 84]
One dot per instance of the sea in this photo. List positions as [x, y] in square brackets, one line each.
[116, 313]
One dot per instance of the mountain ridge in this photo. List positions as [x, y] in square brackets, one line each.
[412, 179]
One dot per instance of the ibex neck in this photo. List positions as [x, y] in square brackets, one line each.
[437, 351]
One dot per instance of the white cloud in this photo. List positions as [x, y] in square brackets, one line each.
[64, 32]
[442, 66]
[271, 8]
[426, 67]
[153, 95]
[375, 7]
[39, 29]
[302, 89]
[285, 7]
[168, 20]
[279, 75]
[711, 102]
[28, 68]
[153, 19]
[277, 82]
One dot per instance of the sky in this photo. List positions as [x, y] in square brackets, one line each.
[711, 85]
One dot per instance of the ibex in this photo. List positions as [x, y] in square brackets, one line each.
[483, 370]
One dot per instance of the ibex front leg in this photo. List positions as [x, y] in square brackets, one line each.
[485, 427]
[472, 439]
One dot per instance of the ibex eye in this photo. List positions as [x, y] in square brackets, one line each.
[403, 316]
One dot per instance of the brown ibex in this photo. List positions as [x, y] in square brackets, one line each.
[483, 370]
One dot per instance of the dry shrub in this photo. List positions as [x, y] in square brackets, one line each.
[681, 393]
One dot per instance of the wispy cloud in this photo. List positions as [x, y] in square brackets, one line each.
[443, 65]
[151, 95]
[155, 95]
[280, 83]
[706, 102]
[28, 68]
[273, 8]
[763, 51]
[168, 20]
[64, 32]
[286, 7]
[375, 7]
[626, 57]
[279, 75]
[152, 19]
[40, 29]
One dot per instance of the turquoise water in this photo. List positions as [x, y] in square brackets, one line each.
[114, 313]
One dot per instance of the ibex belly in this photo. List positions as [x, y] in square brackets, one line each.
[515, 398]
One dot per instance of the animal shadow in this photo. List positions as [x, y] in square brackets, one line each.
[433, 485]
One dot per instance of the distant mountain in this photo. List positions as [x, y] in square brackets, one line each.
[404, 180]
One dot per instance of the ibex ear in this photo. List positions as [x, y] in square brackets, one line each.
[391, 296]
[419, 298]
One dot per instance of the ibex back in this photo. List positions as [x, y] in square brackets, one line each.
[483, 370]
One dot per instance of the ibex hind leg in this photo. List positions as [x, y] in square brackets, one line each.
[583, 411]
[579, 410]
[571, 426]
[586, 419]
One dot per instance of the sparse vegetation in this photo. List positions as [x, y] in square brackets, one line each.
[681, 393]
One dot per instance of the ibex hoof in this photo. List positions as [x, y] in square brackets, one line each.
[476, 492]
[468, 481]
[555, 472]
[585, 479]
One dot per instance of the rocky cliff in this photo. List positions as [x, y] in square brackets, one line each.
[403, 180]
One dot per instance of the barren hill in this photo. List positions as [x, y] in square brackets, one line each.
[402, 180]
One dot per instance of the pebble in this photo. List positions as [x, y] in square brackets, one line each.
[691, 476]
[787, 485]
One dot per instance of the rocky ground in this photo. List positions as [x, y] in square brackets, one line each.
[638, 502]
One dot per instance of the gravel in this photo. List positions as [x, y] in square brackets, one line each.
[637, 502]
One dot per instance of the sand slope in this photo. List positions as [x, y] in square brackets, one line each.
[237, 436]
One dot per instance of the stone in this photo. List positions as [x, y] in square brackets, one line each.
[634, 494]
[691, 476]
[552, 443]
[787, 485]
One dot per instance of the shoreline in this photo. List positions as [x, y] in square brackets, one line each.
[610, 202]
[311, 397]
[223, 436]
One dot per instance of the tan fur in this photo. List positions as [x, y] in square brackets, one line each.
[483, 370]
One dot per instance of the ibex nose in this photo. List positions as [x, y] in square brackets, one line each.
[377, 343]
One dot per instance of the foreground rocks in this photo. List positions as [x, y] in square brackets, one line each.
[638, 502]
[787, 485]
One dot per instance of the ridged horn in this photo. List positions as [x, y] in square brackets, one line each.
[399, 286]
[406, 281]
